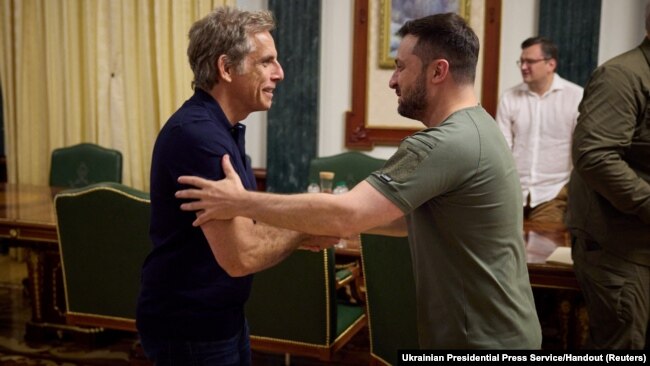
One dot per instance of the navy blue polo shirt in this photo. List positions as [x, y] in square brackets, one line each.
[185, 294]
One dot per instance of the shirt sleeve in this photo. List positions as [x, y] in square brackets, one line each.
[504, 121]
[609, 113]
[425, 166]
[198, 150]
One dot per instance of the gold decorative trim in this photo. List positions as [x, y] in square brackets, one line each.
[55, 297]
[327, 297]
[363, 266]
[347, 330]
[315, 345]
[67, 327]
[288, 341]
[107, 317]
[380, 359]
[99, 188]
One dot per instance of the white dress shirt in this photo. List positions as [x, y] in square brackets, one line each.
[539, 130]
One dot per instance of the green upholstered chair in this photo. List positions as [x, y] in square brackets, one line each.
[103, 241]
[83, 164]
[390, 297]
[293, 308]
[350, 167]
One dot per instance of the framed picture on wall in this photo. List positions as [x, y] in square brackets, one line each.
[373, 118]
[394, 13]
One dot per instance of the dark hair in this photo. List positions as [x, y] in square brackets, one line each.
[549, 48]
[445, 36]
[224, 31]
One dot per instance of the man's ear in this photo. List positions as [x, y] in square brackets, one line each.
[439, 70]
[224, 69]
[553, 63]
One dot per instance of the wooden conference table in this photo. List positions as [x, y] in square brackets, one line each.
[27, 219]
[541, 240]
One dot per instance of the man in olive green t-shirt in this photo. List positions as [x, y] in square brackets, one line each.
[464, 228]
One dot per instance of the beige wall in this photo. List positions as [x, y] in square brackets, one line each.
[619, 18]
[622, 20]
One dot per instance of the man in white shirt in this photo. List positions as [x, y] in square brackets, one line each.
[537, 118]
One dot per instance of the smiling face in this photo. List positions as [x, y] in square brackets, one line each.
[260, 72]
[409, 81]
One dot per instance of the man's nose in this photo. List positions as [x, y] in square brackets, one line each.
[279, 73]
[392, 82]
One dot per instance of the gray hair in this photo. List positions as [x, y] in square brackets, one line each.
[224, 31]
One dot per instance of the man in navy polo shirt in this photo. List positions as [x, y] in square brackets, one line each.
[196, 280]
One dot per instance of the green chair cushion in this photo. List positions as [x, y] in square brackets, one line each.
[346, 315]
[342, 274]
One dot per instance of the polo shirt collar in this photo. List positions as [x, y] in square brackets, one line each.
[213, 106]
[238, 131]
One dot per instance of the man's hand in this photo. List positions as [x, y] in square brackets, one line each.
[216, 200]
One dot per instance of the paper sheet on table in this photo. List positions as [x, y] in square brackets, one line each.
[539, 247]
[561, 255]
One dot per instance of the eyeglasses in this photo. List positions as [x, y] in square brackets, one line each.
[529, 61]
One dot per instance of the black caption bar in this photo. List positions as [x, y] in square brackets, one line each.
[430, 357]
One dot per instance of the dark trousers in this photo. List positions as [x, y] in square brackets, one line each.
[617, 296]
[235, 351]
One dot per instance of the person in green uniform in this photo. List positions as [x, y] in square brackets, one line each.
[609, 213]
[452, 187]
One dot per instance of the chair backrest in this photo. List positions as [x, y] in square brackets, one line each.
[83, 164]
[298, 290]
[351, 167]
[390, 296]
[103, 241]
[293, 308]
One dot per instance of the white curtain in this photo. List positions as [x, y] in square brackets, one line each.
[108, 72]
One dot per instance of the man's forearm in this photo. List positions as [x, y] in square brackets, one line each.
[313, 213]
[242, 247]
[340, 215]
[277, 245]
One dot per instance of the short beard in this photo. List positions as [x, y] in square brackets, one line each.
[414, 101]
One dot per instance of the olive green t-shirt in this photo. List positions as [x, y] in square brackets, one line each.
[458, 187]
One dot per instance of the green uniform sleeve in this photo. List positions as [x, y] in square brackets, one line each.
[612, 107]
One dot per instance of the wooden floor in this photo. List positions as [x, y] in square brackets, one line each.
[109, 348]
